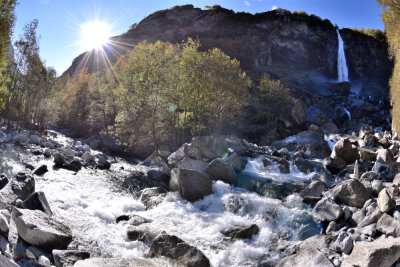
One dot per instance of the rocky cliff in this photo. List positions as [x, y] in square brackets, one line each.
[297, 48]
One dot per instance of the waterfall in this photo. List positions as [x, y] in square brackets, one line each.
[343, 73]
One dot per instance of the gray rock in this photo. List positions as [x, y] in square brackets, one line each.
[192, 164]
[334, 165]
[377, 186]
[304, 165]
[385, 201]
[332, 227]
[352, 193]
[345, 150]
[38, 229]
[306, 257]
[175, 157]
[368, 230]
[35, 139]
[381, 252]
[175, 248]
[4, 262]
[241, 232]
[163, 151]
[388, 225]
[114, 262]
[366, 154]
[142, 234]
[37, 201]
[396, 179]
[385, 155]
[154, 160]
[370, 218]
[5, 247]
[313, 191]
[218, 169]
[369, 176]
[59, 160]
[47, 152]
[41, 170]
[3, 180]
[65, 258]
[344, 243]
[192, 185]
[19, 187]
[192, 152]
[88, 158]
[4, 226]
[151, 197]
[327, 210]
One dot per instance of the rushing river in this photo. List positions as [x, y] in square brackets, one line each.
[89, 202]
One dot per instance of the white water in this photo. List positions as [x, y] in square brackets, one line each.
[89, 204]
[343, 73]
[348, 113]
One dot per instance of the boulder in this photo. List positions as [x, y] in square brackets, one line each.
[327, 210]
[298, 112]
[65, 258]
[344, 243]
[175, 157]
[163, 151]
[151, 197]
[4, 226]
[142, 234]
[88, 158]
[352, 193]
[41, 170]
[173, 247]
[330, 128]
[192, 152]
[385, 201]
[371, 218]
[366, 154]
[39, 229]
[74, 165]
[109, 143]
[377, 186]
[103, 163]
[192, 164]
[388, 225]
[304, 165]
[241, 232]
[345, 150]
[59, 160]
[313, 191]
[334, 165]
[380, 252]
[218, 169]
[18, 188]
[47, 153]
[35, 139]
[4, 262]
[114, 262]
[154, 160]
[3, 180]
[192, 185]
[369, 176]
[37, 201]
[306, 257]
[385, 155]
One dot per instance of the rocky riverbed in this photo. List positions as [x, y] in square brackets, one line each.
[217, 201]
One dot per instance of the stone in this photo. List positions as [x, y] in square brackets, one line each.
[218, 169]
[284, 166]
[175, 157]
[241, 232]
[192, 164]
[173, 247]
[43, 261]
[396, 179]
[192, 185]
[47, 152]
[154, 160]
[371, 218]
[304, 165]
[385, 201]
[334, 165]
[313, 191]
[114, 262]
[3, 180]
[103, 163]
[65, 258]
[366, 154]
[151, 197]
[142, 234]
[41, 170]
[344, 243]
[352, 193]
[18, 188]
[38, 229]
[327, 210]
[388, 225]
[385, 155]
[4, 226]
[163, 151]
[369, 176]
[298, 112]
[330, 128]
[109, 143]
[35, 139]
[345, 150]
[88, 158]
[192, 152]
[368, 230]
[4, 262]
[59, 160]
[5, 247]
[306, 257]
[380, 252]
[377, 186]
[37, 201]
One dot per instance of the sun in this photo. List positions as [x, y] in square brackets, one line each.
[95, 34]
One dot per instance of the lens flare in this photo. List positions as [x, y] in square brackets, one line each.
[95, 34]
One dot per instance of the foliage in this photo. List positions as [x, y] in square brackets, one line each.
[375, 33]
[391, 18]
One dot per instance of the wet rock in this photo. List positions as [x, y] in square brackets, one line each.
[37, 201]
[385, 155]
[103, 163]
[142, 234]
[385, 201]
[218, 169]
[65, 258]
[344, 243]
[334, 165]
[380, 252]
[192, 185]
[345, 150]
[304, 165]
[241, 232]
[313, 191]
[173, 247]
[38, 229]
[41, 170]
[352, 193]
[327, 210]
[284, 166]
[114, 262]
[59, 160]
[151, 197]
[3, 180]
[136, 220]
[35, 139]
[388, 225]
[75, 165]
[192, 152]
[365, 130]
[47, 153]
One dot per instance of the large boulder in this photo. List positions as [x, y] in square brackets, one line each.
[218, 169]
[298, 112]
[37, 201]
[151, 197]
[173, 247]
[352, 193]
[20, 187]
[65, 258]
[114, 262]
[385, 201]
[39, 229]
[388, 225]
[385, 155]
[241, 232]
[216, 146]
[380, 252]
[175, 157]
[192, 164]
[192, 185]
[345, 150]
[109, 143]
[334, 165]
[313, 191]
[327, 210]
[4, 262]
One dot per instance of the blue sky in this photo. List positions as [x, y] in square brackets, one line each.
[60, 20]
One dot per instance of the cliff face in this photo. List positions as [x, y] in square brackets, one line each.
[300, 50]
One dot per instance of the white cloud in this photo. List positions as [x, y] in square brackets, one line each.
[274, 7]
[247, 3]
